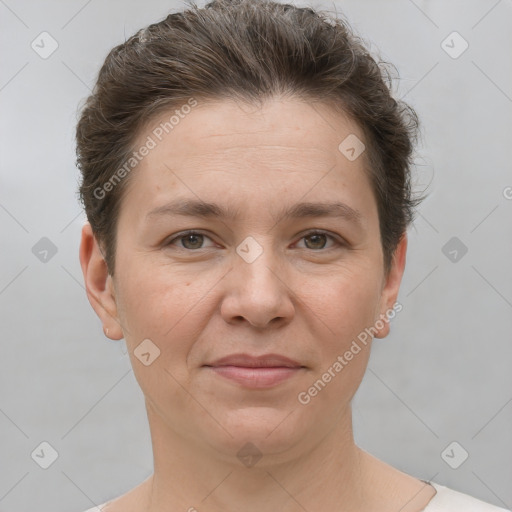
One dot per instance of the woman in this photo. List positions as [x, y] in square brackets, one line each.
[246, 178]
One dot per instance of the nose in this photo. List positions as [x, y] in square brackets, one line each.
[256, 290]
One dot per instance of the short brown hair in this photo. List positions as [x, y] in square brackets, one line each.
[250, 50]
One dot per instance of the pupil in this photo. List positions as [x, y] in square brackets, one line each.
[189, 237]
[313, 237]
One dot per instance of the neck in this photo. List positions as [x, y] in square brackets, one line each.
[190, 475]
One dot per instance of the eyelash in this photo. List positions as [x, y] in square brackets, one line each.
[309, 233]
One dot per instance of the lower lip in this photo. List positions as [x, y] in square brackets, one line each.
[256, 377]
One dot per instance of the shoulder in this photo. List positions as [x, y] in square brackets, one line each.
[448, 500]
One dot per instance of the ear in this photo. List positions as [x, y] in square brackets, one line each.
[392, 285]
[98, 283]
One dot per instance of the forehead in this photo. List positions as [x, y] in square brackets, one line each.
[279, 126]
[283, 147]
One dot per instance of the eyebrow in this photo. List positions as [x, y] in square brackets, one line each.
[202, 209]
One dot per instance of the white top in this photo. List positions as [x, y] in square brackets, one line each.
[448, 500]
[445, 500]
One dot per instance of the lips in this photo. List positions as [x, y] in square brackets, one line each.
[255, 371]
[263, 361]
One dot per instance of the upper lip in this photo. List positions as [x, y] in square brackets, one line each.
[263, 361]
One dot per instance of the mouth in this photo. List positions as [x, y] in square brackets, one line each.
[256, 371]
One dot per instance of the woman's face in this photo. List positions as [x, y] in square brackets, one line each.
[254, 282]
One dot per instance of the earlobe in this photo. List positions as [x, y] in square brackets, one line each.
[392, 287]
[98, 283]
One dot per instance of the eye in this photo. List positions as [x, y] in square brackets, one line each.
[190, 240]
[317, 240]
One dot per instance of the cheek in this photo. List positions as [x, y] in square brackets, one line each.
[149, 290]
[346, 308]
[346, 302]
[167, 307]
[144, 297]
[169, 312]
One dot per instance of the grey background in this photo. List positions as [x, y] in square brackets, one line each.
[443, 374]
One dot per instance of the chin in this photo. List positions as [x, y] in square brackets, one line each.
[270, 430]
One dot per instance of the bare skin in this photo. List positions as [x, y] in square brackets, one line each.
[198, 300]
